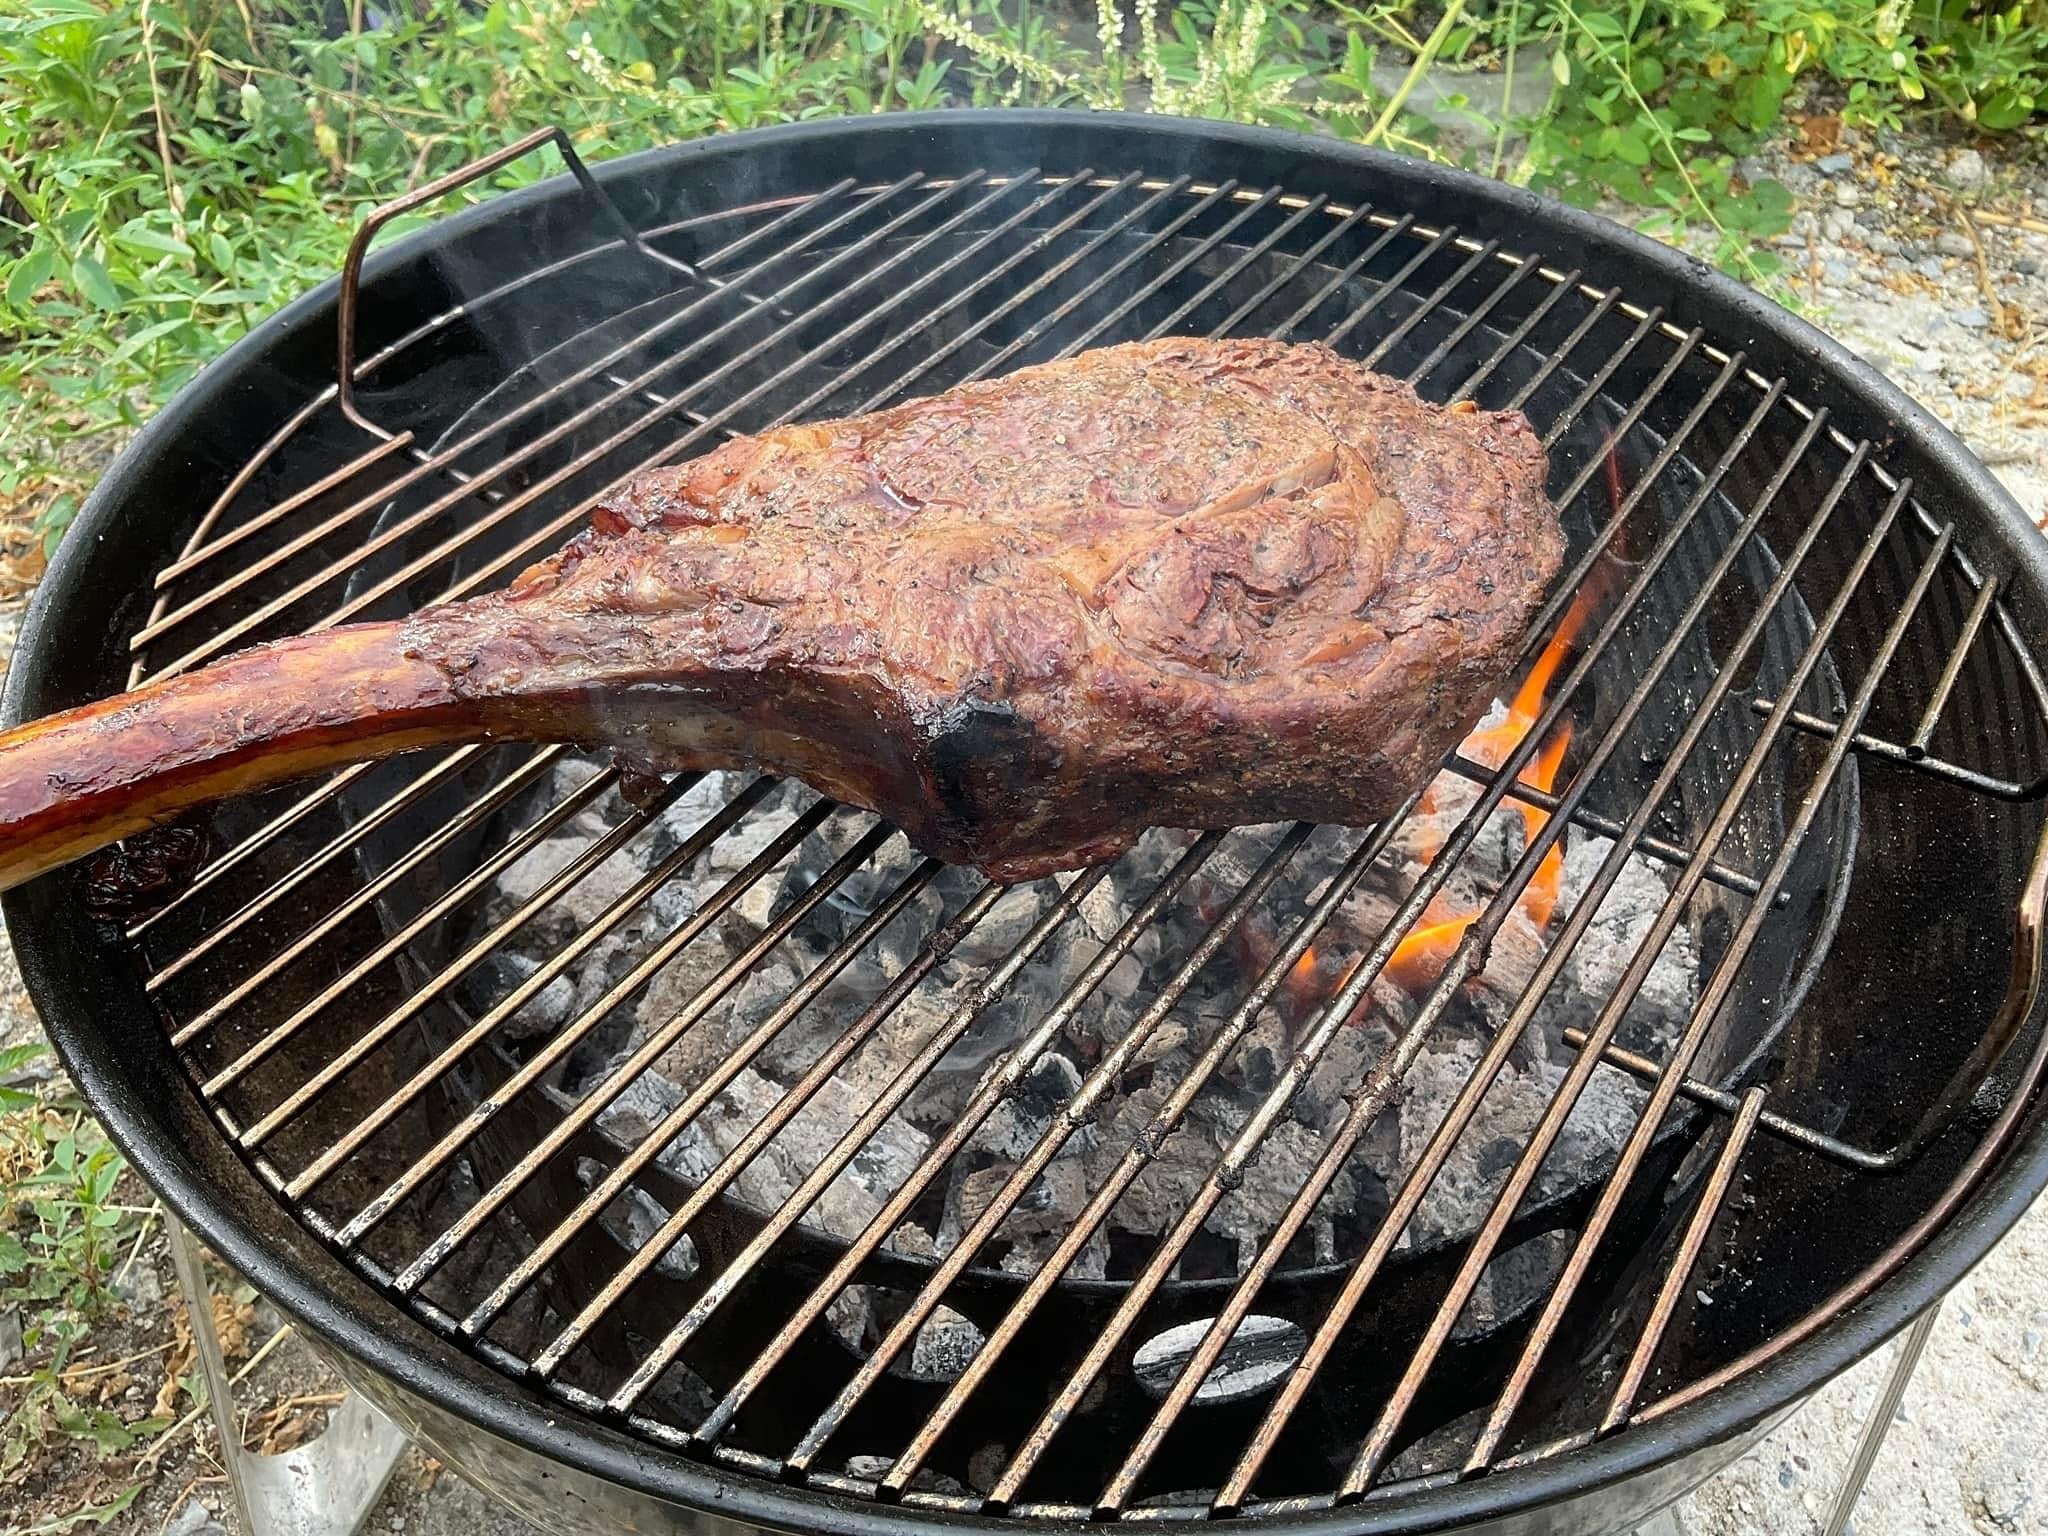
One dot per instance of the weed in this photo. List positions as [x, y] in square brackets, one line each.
[62, 1231]
[171, 169]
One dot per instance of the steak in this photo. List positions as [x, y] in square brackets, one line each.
[1181, 583]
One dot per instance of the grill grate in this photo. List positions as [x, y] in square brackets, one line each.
[298, 978]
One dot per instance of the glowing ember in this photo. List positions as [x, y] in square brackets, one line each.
[1421, 957]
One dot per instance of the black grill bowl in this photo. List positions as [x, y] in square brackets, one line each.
[1886, 1015]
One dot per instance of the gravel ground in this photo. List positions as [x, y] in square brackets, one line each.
[1888, 256]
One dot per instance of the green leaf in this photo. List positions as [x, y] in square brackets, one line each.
[30, 273]
[2003, 109]
[1561, 67]
[137, 235]
[15, 1057]
[93, 283]
[1647, 75]
[1629, 147]
[13, 1257]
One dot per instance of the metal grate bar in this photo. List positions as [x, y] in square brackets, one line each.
[444, 460]
[571, 1034]
[1379, 1442]
[450, 900]
[1101, 1078]
[1297, 943]
[991, 275]
[614, 911]
[592, 455]
[1037, 330]
[341, 843]
[1299, 264]
[1385, 1078]
[940, 943]
[1443, 291]
[1514, 339]
[1722, 1102]
[524, 842]
[1018, 1061]
[678, 1119]
[1597, 384]
[277, 511]
[1661, 849]
[471, 815]
[658, 1041]
[1678, 1275]
[1570, 344]
[1901, 756]
[1229, 274]
[1342, 276]
[1517, 272]
[1174, 268]
[255, 842]
[1230, 1168]
[1398, 283]
[1712, 1000]
[1930, 717]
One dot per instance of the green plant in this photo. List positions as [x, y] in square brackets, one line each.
[171, 169]
[64, 1232]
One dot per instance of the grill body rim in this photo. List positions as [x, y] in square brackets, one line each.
[148, 1105]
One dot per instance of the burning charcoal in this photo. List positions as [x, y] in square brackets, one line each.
[715, 1034]
[1352, 1054]
[639, 1108]
[634, 1218]
[945, 1346]
[850, 1201]
[1047, 1205]
[1047, 1087]
[1661, 1008]
[1464, 1187]
[1276, 1176]
[1009, 1132]
[500, 972]
[1028, 1255]
[1004, 927]
[1264, 1053]
[748, 840]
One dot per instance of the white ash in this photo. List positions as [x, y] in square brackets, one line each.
[1184, 1157]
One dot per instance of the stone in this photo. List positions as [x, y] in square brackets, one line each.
[1848, 194]
[1965, 170]
[140, 1288]
[194, 1519]
[1881, 244]
[1837, 271]
[1970, 318]
[1929, 266]
[1953, 243]
[10, 1337]
[1836, 223]
[1834, 165]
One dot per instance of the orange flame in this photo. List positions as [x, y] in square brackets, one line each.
[1300, 985]
[1421, 957]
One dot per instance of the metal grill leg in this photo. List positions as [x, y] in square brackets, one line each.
[1871, 1440]
[326, 1487]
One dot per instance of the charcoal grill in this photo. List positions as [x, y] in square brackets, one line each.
[1796, 645]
